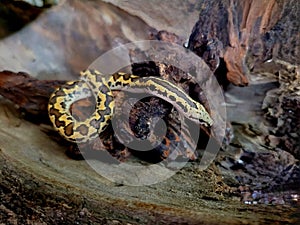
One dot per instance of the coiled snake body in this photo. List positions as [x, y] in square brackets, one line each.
[101, 88]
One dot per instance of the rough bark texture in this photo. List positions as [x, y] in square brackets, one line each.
[229, 30]
[29, 94]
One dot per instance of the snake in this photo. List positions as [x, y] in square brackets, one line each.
[93, 83]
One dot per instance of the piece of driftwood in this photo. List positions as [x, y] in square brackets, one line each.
[248, 40]
[32, 96]
[29, 94]
[231, 32]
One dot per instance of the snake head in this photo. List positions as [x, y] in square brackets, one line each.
[205, 120]
[200, 115]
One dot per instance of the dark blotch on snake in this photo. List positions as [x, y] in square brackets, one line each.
[83, 129]
[69, 129]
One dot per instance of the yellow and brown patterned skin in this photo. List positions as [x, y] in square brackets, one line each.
[92, 81]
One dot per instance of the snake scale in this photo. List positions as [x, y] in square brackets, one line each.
[93, 82]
